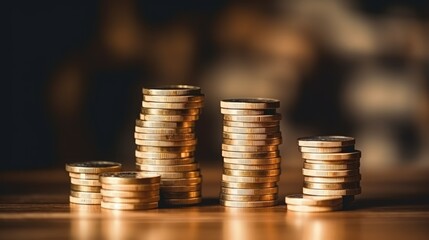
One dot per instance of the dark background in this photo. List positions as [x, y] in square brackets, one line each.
[358, 68]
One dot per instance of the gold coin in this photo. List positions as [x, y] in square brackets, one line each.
[175, 161]
[77, 194]
[170, 168]
[85, 182]
[93, 167]
[250, 103]
[190, 188]
[229, 154]
[330, 173]
[323, 192]
[331, 166]
[253, 118]
[313, 209]
[240, 136]
[248, 185]
[129, 206]
[129, 178]
[247, 204]
[165, 137]
[176, 105]
[132, 187]
[272, 141]
[255, 130]
[181, 181]
[326, 141]
[332, 156]
[129, 194]
[81, 188]
[249, 191]
[159, 143]
[247, 111]
[251, 167]
[77, 200]
[246, 198]
[181, 112]
[166, 149]
[157, 124]
[169, 118]
[182, 201]
[173, 90]
[250, 124]
[174, 175]
[323, 162]
[131, 200]
[163, 155]
[331, 186]
[182, 98]
[84, 176]
[236, 148]
[228, 178]
[167, 194]
[326, 149]
[163, 130]
[306, 200]
[252, 173]
[256, 161]
[332, 179]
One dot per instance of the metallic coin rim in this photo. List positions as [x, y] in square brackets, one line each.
[71, 167]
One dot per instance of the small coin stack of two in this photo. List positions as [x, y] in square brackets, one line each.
[129, 190]
[331, 170]
[251, 136]
[166, 141]
[85, 184]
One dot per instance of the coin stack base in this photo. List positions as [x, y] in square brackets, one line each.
[166, 141]
[129, 190]
[85, 184]
[331, 168]
[306, 203]
[251, 135]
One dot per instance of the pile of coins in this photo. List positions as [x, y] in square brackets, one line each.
[166, 141]
[251, 136]
[85, 183]
[129, 190]
[331, 167]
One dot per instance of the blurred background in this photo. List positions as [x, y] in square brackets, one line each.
[358, 68]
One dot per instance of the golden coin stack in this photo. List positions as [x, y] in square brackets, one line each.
[166, 141]
[331, 169]
[251, 136]
[129, 190]
[85, 183]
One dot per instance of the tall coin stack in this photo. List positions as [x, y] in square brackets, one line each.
[85, 180]
[251, 136]
[129, 190]
[331, 167]
[166, 141]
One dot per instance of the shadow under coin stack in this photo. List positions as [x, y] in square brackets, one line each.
[251, 158]
[85, 184]
[166, 141]
[331, 170]
[129, 190]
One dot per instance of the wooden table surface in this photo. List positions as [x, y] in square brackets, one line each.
[394, 205]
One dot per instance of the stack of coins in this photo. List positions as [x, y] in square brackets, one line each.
[129, 190]
[331, 167]
[85, 183]
[251, 136]
[166, 141]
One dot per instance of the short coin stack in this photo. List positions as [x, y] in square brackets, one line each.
[331, 167]
[85, 183]
[129, 190]
[251, 136]
[166, 141]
